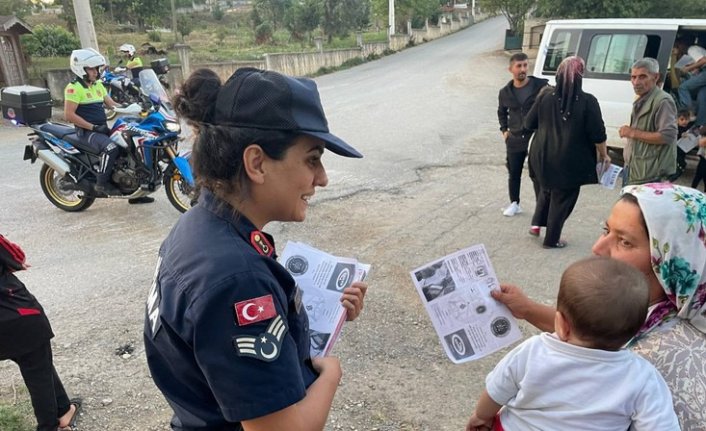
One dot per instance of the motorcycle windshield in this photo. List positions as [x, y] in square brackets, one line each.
[153, 88]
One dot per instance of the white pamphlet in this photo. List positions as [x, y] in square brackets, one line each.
[455, 291]
[608, 175]
[322, 278]
[689, 141]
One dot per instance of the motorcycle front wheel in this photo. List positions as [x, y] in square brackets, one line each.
[57, 190]
[180, 194]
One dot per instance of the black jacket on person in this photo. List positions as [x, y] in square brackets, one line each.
[511, 113]
[563, 153]
[23, 324]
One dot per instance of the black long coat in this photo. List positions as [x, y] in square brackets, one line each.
[563, 152]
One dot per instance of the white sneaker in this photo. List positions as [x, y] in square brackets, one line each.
[513, 209]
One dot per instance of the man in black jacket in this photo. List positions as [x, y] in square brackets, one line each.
[514, 102]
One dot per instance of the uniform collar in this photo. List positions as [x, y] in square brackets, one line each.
[262, 242]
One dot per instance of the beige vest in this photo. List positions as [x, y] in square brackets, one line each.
[650, 162]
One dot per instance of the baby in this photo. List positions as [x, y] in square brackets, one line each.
[581, 377]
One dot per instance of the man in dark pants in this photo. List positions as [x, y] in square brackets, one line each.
[25, 336]
[514, 102]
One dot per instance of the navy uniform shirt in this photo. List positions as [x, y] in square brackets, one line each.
[226, 336]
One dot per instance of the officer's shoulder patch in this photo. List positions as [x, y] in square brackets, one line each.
[266, 346]
[261, 244]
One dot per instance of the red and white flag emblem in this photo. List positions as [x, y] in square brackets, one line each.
[255, 310]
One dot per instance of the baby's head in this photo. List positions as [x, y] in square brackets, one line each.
[683, 117]
[602, 303]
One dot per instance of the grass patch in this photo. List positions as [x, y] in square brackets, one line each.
[229, 39]
[17, 417]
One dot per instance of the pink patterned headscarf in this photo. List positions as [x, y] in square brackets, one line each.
[569, 79]
[676, 225]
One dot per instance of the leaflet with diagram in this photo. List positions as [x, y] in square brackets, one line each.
[321, 277]
[608, 174]
[456, 293]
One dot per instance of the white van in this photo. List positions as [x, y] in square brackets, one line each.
[610, 47]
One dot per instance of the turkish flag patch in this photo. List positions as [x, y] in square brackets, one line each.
[255, 310]
[70, 91]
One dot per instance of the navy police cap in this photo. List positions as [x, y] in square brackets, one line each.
[267, 100]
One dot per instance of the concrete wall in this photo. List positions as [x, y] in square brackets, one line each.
[307, 63]
[373, 48]
[534, 29]
[56, 82]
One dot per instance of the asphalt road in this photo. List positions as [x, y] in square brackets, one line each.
[432, 182]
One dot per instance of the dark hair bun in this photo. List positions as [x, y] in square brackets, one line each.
[197, 96]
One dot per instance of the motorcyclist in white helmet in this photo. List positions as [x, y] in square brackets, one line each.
[134, 63]
[84, 100]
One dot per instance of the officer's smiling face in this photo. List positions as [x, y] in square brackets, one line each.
[293, 180]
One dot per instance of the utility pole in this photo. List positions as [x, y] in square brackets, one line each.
[174, 21]
[391, 21]
[84, 24]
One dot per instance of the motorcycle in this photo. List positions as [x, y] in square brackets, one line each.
[117, 83]
[120, 88]
[148, 159]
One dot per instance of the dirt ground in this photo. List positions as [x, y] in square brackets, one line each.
[396, 376]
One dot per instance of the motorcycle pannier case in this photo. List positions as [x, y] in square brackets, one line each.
[26, 104]
[160, 66]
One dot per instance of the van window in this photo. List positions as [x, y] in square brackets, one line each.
[563, 43]
[615, 53]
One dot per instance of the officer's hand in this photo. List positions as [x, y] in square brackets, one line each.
[101, 129]
[328, 367]
[353, 298]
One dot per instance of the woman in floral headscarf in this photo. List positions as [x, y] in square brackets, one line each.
[570, 139]
[660, 229]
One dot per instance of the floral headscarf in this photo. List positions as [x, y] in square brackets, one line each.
[676, 224]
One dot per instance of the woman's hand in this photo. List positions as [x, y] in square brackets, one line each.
[514, 298]
[521, 307]
[353, 298]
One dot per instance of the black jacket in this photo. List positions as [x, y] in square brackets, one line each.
[23, 324]
[511, 113]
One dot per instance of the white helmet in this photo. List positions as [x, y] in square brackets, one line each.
[126, 47]
[82, 58]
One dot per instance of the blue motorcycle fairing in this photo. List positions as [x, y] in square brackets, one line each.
[182, 164]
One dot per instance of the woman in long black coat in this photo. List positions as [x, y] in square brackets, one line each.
[569, 141]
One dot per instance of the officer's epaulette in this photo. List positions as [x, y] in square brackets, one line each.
[261, 244]
[80, 81]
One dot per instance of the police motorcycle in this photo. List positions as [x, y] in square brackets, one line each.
[120, 88]
[149, 156]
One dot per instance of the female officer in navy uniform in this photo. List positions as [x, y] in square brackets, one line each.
[226, 335]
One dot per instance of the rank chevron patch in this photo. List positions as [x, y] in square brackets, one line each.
[266, 346]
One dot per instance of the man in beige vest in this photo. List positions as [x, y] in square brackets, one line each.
[651, 150]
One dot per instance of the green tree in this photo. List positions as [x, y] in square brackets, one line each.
[19, 8]
[184, 25]
[303, 17]
[621, 9]
[595, 9]
[342, 16]
[271, 10]
[513, 10]
[50, 41]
